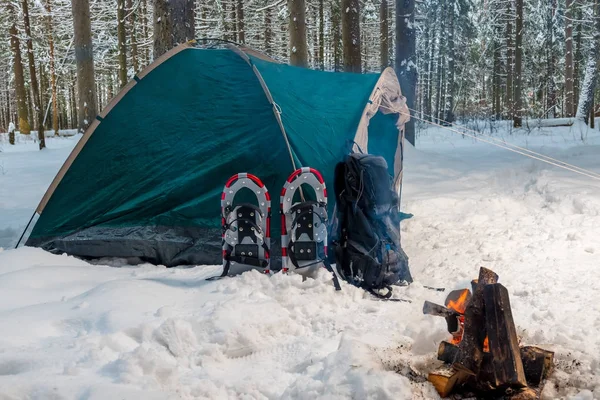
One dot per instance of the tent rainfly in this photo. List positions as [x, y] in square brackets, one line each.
[145, 179]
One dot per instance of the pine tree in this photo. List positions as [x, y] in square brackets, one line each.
[518, 120]
[20, 91]
[84, 54]
[173, 24]
[351, 35]
[384, 34]
[298, 45]
[569, 93]
[37, 99]
[121, 43]
[406, 68]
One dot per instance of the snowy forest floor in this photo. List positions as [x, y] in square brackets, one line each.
[71, 330]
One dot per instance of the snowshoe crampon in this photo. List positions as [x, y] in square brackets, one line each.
[304, 223]
[246, 237]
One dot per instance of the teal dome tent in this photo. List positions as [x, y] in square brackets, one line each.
[146, 178]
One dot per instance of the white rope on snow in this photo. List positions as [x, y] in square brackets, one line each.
[516, 147]
[547, 159]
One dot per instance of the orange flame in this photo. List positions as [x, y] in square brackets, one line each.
[486, 345]
[460, 304]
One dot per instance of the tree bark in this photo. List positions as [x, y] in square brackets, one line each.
[298, 46]
[336, 22]
[34, 79]
[449, 106]
[384, 35]
[84, 55]
[550, 60]
[133, 36]
[20, 92]
[586, 96]
[406, 68]
[569, 112]
[577, 60]
[240, 21]
[268, 31]
[173, 24]
[145, 32]
[518, 120]
[321, 36]
[49, 27]
[509, 61]
[496, 81]
[351, 35]
[122, 47]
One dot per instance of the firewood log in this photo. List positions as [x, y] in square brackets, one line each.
[470, 349]
[446, 379]
[502, 334]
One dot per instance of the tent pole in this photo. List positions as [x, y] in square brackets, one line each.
[25, 230]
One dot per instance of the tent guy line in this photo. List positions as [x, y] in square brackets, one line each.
[512, 145]
[579, 170]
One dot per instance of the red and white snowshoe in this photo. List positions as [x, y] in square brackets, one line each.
[304, 224]
[246, 227]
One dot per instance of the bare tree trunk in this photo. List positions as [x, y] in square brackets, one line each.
[240, 21]
[233, 22]
[518, 120]
[173, 24]
[509, 61]
[49, 28]
[145, 32]
[84, 55]
[449, 106]
[569, 99]
[20, 92]
[336, 22]
[351, 35]
[121, 43]
[384, 35]
[592, 114]
[268, 31]
[33, 76]
[496, 81]
[586, 96]
[405, 58]
[321, 36]
[298, 46]
[550, 60]
[133, 36]
[577, 60]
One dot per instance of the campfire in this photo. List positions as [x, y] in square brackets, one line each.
[483, 357]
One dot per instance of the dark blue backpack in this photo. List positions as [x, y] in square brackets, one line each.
[366, 228]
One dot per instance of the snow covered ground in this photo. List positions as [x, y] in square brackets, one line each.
[71, 330]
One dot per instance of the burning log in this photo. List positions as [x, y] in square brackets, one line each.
[484, 355]
[504, 344]
[470, 350]
[537, 363]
